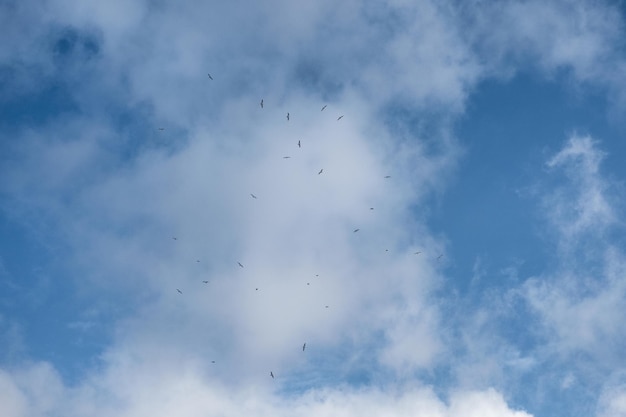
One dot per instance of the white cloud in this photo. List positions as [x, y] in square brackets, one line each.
[116, 195]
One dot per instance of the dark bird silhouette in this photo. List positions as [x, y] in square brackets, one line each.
[439, 257]
[197, 260]
[210, 76]
[286, 157]
[340, 117]
[303, 347]
[326, 306]
[206, 282]
[287, 116]
[299, 146]
[371, 208]
[179, 291]
[417, 253]
[174, 238]
[356, 230]
[321, 170]
[261, 103]
[239, 263]
[272, 374]
[212, 361]
[323, 107]
[387, 176]
[161, 128]
[253, 196]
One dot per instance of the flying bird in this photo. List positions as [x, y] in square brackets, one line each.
[321, 170]
[179, 291]
[210, 76]
[299, 146]
[261, 103]
[371, 208]
[417, 253]
[286, 157]
[240, 264]
[439, 257]
[197, 260]
[174, 238]
[272, 374]
[387, 176]
[340, 117]
[323, 107]
[356, 230]
[206, 282]
[287, 116]
[303, 347]
[253, 196]
[161, 128]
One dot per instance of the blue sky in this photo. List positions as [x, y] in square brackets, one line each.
[487, 136]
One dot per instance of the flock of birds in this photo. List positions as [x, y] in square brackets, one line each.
[262, 104]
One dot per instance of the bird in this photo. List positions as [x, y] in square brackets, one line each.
[206, 282]
[340, 117]
[417, 253]
[179, 291]
[326, 306]
[256, 289]
[286, 157]
[174, 238]
[261, 103]
[299, 146]
[253, 196]
[323, 107]
[356, 230]
[439, 257]
[197, 260]
[240, 264]
[371, 208]
[304, 346]
[210, 76]
[212, 361]
[272, 374]
[161, 128]
[287, 116]
[308, 283]
[387, 176]
[321, 170]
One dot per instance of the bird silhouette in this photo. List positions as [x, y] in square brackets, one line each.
[417, 253]
[272, 374]
[287, 116]
[321, 170]
[253, 196]
[210, 76]
[340, 117]
[239, 263]
[206, 282]
[299, 146]
[323, 107]
[303, 347]
[286, 157]
[261, 103]
[356, 230]
[179, 291]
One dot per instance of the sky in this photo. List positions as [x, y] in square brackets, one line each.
[423, 218]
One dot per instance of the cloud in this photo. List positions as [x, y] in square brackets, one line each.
[147, 148]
